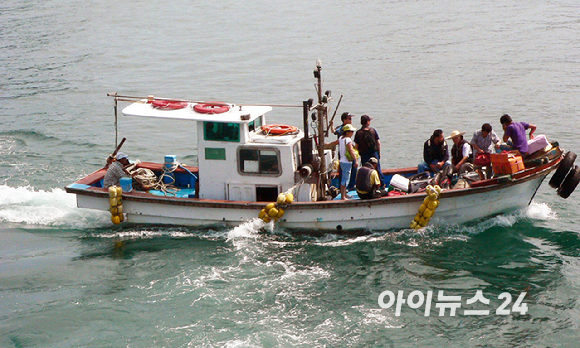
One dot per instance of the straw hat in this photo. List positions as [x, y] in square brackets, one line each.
[455, 134]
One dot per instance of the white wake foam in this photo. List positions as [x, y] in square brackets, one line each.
[541, 211]
[248, 229]
[55, 208]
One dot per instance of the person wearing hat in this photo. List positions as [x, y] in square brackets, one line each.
[367, 180]
[461, 153]
[116, 171]
[346, 118]
[368, 143]
[345, 144]
[435, 153]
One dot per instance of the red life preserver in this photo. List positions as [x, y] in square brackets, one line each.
[279, 129]
[168, 104]
[211, 108]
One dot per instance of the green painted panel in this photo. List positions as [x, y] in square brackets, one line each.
[212, 153]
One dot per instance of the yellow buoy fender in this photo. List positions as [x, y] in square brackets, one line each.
[270, 206]
[115, 219]
[112, 192]
[418, 217]
[280, 213]
[273, 212]
[263, 213]
[289, 198]
[281, 198]
[433, 204]
[427, 209]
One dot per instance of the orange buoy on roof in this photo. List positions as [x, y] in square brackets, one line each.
[212, 108]
[279, 129]
[168, 104]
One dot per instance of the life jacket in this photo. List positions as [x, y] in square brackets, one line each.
[457, 152]
[363, 179]
[432, 152]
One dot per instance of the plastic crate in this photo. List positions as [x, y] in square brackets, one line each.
[507, 163]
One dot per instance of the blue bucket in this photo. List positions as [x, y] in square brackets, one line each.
[170, 161]
[126, 184]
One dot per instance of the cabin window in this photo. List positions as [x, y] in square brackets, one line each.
[221, 131]
[255, 124]
[254, 161]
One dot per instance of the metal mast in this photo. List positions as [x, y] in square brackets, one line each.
[321, 109]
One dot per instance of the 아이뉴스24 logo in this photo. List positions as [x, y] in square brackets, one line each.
[416, 299]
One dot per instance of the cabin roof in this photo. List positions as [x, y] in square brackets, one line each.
[260, 138]
[233, 115]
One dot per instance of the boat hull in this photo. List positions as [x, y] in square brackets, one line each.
[456, 207]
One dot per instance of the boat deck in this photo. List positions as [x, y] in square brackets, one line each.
[186, 182]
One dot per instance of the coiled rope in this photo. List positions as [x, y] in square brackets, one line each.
[149, 181]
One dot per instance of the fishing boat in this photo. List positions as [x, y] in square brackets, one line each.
[246, 167]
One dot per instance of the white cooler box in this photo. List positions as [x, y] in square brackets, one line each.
[539, 142]
[400, 183]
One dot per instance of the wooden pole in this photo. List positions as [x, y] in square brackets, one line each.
[334, 114]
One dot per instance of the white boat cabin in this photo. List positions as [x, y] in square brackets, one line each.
[237, 161]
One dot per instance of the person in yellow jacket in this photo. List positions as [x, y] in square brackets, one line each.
[368, 181]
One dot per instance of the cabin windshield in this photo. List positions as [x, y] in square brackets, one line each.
[255, 124]
[221, 131]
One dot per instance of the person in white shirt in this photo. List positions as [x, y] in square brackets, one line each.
[345, 145]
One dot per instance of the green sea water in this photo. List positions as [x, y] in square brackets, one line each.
[69, 278]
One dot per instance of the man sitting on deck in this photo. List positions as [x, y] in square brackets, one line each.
[116, 171]
[367, 180]
[484, 142]
[435, 153]
[517, 131]
[461, 153]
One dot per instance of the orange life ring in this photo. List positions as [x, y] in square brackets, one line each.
[211, 108]
[168, 104]
[279, 129]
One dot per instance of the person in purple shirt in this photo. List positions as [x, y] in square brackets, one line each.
[517, 132]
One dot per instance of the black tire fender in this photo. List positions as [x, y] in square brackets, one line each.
[570, 183]
[563, 169]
